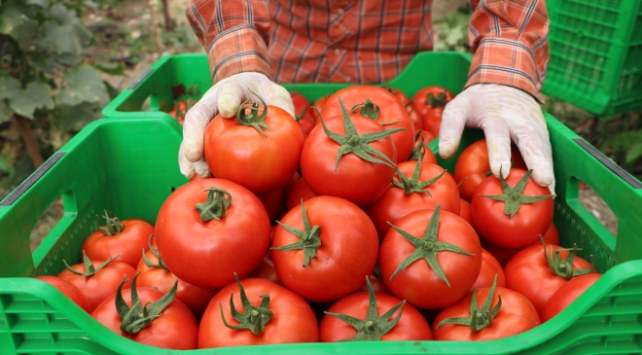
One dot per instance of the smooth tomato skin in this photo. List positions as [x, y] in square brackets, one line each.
[377, 285]
[551, 236]
[300, 103]
[502, 255]
[300, 191]
[127, 243]
[473, 166]
[418, 283]
[411, 326]
[396, 203]
[197, 177]
[101, 285]
[68, 289]
[391, 110]
[272, 201]
[293, 320]
[529, 274]
[414, 117]
[420, 99]
[266, 269]
[489, 268]
[242, 154]
[319, 106]
[515, 316]
[521, 230]
[355, 179]
[176, 328]
[194, 297]
[348, 252]
[399, 95]
[431, 121]
[464, 211]
[207, 254]
[567, 294]
[288, 186]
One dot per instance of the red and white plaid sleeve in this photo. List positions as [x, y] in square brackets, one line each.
[510, 40]
[234, 34]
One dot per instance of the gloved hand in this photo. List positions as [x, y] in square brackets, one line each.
[504, 113]
[224, 97]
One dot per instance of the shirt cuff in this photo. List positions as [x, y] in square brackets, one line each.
[237, 50]
[505, 62]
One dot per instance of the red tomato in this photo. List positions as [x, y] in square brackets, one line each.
[502, 255]
[399, 95]
[68, 289]
[387, 111]
[266, 270]
[421, 147]
[489, 268]
[292, 320]
[472, 167]
[567, 294]
[377, 285]
[206, 250]
[515, 316]
[349, 177]
[464, 211]
[197, 177]
[411, 324]
[346, 254]
[512, 224]
[319, 106]
[300, 191]
[180, 109]
[122, 240]
[261, 162]
[272, 201]
[401, 199]
[551, 236]
[98, 282]
[175, 328]
[288, 186]
[414, 118]
[419, 283]
[159, 278]
[300, 103]
[529, 273]
[303, 113]
[429, 103]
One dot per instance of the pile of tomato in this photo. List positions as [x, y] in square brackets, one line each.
[336, 225]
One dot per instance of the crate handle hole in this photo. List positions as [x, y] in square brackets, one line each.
[597, 208]
[46, 223]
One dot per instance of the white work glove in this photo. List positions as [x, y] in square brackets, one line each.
[504, 113]
[224, 97]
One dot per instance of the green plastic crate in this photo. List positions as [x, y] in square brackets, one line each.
[596, 54]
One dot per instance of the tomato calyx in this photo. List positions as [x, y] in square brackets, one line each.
[357, 144]
[114, 225]
[479, 318]
[310, 239]
[428, 247]
[419, 150]
[373, 327]
[255, 318]
[563, 268]
[90, 270]
[439, 100]
[139, 316]
[513, 197]
[253, 118]
[161, 263]
[414, 185]
[216, 204]
[368, 109]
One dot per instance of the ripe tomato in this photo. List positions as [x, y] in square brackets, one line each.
[196, 177]
[303, 113]
[529, 273]
[429, 103]
[464, 211]
[180, 109]
[377, 285]
[300, 191]
[515, 315]
[208, 229]
[329, 168]
[68, 289]
[551, 236]
[472, 167]
[154, 274]
[319, 106]
[504, 212]
[418, 187]
[261, 153]
[283, 316]
[404, 259]
[122, 240]
[489, 269]
[399, 95]
[377, 104]
[272, 201]
[266, 270]
[414, 118]
[174, 327]
[567, 294]
[502, 255]
[98, 280]
[352, 318]
[335, 244]
[422, 138]
[288, 185]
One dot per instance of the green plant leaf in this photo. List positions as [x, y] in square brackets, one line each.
[74, 118]
[17, 20]
[5, 111]
[41, 3]
[64, 33]
[634, 153]
[36, 95]
[9, 87]
[83, 84]
[111, 68]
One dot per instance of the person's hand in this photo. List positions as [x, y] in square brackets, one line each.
[224, 98]
[504, 113]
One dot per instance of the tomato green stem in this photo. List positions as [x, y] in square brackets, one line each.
[161, 263]
[368, 109]
[419, 150]
[513, 197]
[216, 205]
[255, 318]
[414, 184]
[433, 101]
[90, 270]
[113, 227]
[253, 118]
[373, 327]
[428, 247]
[563, 268]
[309, 237]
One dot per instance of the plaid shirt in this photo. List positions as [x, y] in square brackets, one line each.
[366, 41]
